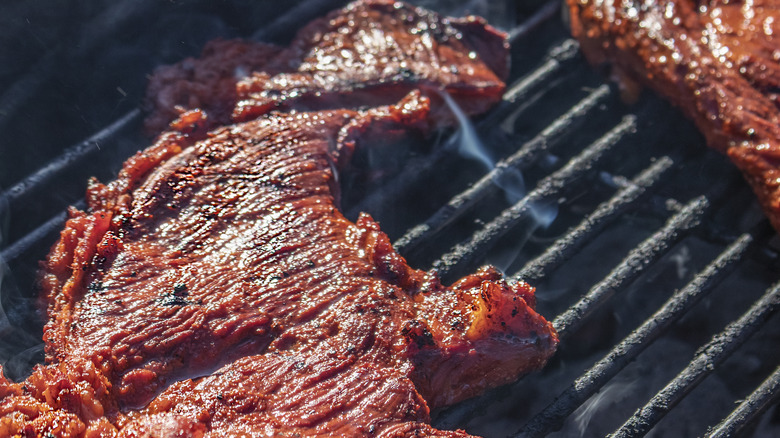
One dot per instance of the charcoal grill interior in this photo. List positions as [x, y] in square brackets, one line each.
[646, 248]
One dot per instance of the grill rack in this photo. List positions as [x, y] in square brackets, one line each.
[680, 219]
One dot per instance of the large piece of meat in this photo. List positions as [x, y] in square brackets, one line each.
[718, 60]
[214, 289]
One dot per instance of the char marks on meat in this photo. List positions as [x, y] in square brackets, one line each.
[214, 289]
[719, 61]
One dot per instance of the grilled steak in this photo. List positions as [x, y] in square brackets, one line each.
[371, 53]
[219, 281]
[718, 61]
[214, 289]
[374, 52]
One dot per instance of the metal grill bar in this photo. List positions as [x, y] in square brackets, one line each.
[712, 354]
[588, 229]
[551, 136]
[544, 13]
[750, 408]
[72, 156]
[650, 250]
[627, 350]
[22, 245]
[465, 253]
[558, 58]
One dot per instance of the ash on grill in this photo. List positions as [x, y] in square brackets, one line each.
[659, 263]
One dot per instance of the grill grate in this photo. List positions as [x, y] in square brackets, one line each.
[628, 349]
[606, 168]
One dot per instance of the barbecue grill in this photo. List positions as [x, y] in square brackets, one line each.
[646, 248]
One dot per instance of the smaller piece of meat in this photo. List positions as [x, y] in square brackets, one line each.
[373, 53]
[719, 61]
[207, 82]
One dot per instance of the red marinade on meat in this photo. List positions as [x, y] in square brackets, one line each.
[368, 54]
[214, 289]
[719, 61]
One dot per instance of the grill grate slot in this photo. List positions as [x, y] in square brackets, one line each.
[649, 251]
[71, 157]
[90, 34]
[715, 352]
[35, 237]
[553, 135]
[564, 247]
[628, 349]
[750, 408]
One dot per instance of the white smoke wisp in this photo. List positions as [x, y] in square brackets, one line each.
[466, 139]
[469, 145]
[509, 179]
[613, 393]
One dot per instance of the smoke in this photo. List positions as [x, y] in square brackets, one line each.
[612, 394]
[468, 144]
[466, 139]
[19, 348]
[509, 179]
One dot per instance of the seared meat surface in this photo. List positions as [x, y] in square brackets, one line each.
[214, 288]
[217, 284]
[719, 61]
[373, 53]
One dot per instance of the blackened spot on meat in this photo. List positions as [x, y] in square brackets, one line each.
[406, 74]
[177, 298]
[180, 290]
[457, 324]
[416, 332]
[95, 286]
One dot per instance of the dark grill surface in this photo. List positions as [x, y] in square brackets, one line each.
[647, 249]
